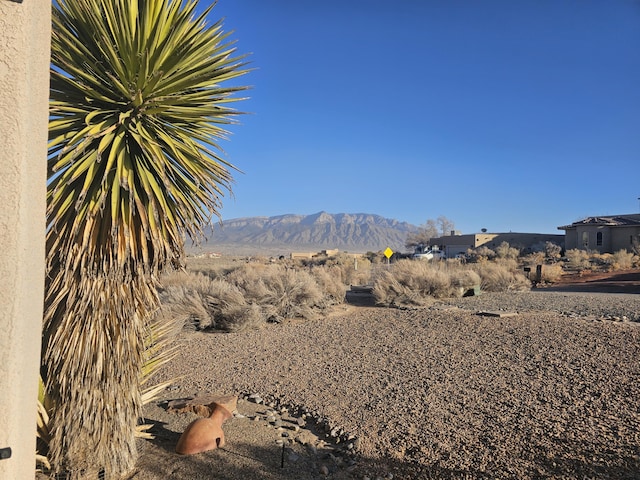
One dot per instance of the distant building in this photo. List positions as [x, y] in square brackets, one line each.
[607, 234]
[455, 243]
[308, 255]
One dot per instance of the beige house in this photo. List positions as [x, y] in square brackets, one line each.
[607, 234]
[455, 243]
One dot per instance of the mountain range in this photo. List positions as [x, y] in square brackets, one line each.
[283, 234]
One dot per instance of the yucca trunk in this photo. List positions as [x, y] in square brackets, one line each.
[93, 345]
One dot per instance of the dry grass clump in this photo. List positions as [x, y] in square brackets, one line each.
[389, 290]
[463, 280]
[204, 303]
[506, 251]
[411, 282]
[249, 296]
[331, 283]
[480, 254]
[282, 292]
[578, 259]
[496, 277]
[354, 269]
[551, 273]
[552, 251]
[621, 260]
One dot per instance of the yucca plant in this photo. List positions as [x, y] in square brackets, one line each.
[137, 109]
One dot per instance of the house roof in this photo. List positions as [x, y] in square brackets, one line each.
[609, 221]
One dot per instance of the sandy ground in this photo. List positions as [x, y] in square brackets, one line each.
[438, 392]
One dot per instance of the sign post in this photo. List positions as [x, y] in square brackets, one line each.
[387, 253]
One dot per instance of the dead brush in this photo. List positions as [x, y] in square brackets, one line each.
[290, 293]
[622, 260]
[496, 277]
[330, 281]
[413, 282]
[389, 290]
[463, 280]
[204, 303]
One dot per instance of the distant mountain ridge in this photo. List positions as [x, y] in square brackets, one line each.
[282, 234]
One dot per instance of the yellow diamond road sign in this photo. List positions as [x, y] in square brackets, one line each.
[388, 252]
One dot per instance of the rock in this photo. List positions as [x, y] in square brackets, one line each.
[203, 405]
[255, 398]
[307, 438]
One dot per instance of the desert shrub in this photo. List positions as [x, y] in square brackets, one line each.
[463, 280]
[480, 254]
[578, 259]
[250, 295]
[621, 260]
[237, 318]
[203, 303]
[600, 261]
[551, 273]
[182, 278]
[495, 277]
[390, 290]
[249, 278]
[290, 293]
[533, 259]
[505, 251]
[510, 264]
[329, 280]
[353, 271]
[552, 251]
[216, 267]
[282, 292]
[358, 272]
[412, 282]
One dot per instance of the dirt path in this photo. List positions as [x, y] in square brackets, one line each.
[624, 281]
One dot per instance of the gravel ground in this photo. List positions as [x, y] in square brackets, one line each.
[543, 385]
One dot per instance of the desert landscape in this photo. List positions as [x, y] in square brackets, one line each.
[540, 384]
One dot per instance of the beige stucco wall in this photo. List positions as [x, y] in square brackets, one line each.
[614, 238]
[24, 90]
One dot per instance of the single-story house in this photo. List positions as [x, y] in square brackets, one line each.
[456, 243]
[606, 234]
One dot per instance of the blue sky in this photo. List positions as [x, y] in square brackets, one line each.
[507, 115]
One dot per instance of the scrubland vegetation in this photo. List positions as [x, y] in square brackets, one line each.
[234, 294]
